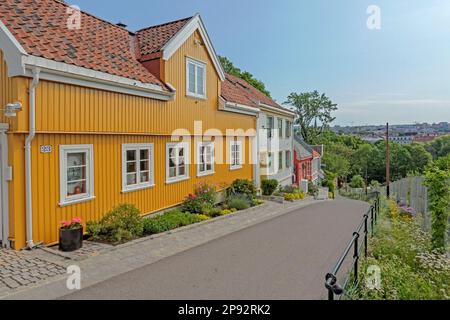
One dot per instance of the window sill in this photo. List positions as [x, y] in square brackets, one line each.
[131, 189]
[235, 168]
[197, 97]
[172, 181]
[76, 201]
[204, 174]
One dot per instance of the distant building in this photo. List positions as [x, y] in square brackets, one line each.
[426, 137]
[307, 161]
[402, 139]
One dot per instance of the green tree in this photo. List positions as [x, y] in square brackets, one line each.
[420, 157]
[314, 113]
[357, 182]
[230, 68]
[361, 159]
[440, 147]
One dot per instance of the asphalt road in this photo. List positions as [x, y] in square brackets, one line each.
[283, 258]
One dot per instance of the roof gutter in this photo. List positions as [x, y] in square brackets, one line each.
[279, 110]
[28, 173]
[225, 105]
[71, 74]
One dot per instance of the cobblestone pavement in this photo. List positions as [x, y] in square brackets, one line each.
[19, 269]
[89, 249]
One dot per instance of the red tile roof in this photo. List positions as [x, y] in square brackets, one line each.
[152, 39]
[239, 91]
[40, 26]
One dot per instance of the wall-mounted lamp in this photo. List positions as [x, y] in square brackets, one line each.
[11, 109]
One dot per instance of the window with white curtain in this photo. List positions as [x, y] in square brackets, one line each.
[196, 78]
[235, 155]
[205, 158]
[177, 161]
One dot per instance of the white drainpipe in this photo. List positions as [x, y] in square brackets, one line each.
[30, 137]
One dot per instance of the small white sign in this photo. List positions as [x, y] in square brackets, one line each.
[46, 149]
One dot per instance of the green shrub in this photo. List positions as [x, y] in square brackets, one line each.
[192, 203]
[169, 221]
[206, 192]
[238, 202]
[357, 182]
[242, 186]
[214, 212]
[204, 195]
[437, 178]
[269, 186]
[225, 212]
[121, 224]
[257, 202]
[312, 189]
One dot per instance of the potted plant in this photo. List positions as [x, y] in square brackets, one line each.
[71, 235]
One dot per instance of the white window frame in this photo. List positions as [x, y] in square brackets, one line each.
[280, 161]
[187, 160]
[197, 64]
[199, 147]
[288, 129]
[270, 123]
[232, 165]
[280, 127]
[64, 150]
[288, 158]
[139, 185]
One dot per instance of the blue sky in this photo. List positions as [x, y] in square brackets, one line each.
[400, 73]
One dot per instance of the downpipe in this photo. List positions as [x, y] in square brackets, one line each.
[29, 139]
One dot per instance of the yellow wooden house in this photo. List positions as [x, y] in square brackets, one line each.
[93, 115]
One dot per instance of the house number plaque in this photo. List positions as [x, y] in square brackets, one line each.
[46, 149]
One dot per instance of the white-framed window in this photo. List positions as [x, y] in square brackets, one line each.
[280, 160]
[288, 159]
[269, 127]
[76, 165]
[137, 166]
[205, 158]
[280, 128]
[270, 162]
[235, 155]
[195, 78]
[288, 129]
[177, 161]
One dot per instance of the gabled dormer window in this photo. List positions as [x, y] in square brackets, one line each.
[195, 78]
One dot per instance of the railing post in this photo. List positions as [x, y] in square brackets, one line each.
[366, 231]
[372, 209]
[330, 295]
[376, 213]
[356, 256]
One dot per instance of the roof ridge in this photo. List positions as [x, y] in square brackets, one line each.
[165, 23]
[94, 16]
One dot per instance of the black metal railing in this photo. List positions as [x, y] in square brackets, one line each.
[369, 221]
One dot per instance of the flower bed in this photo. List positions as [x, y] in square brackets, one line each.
[125, 222]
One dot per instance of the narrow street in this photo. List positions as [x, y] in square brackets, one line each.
[283, 258]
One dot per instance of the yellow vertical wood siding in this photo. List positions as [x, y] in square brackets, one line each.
[47, 214]
[69, 114]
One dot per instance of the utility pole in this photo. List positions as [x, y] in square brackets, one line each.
[388, 163]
